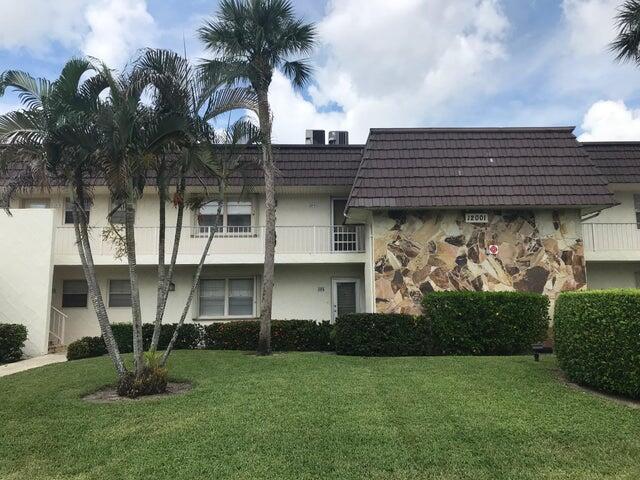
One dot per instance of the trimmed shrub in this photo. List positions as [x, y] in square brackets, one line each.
[86, 347]
[486, 323]
[597, 339]
[374, 335]
[189, 338]
[12, 338]
[286, 335]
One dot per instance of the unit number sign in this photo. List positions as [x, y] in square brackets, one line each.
[476, 218]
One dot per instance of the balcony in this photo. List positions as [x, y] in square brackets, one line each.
[608, 242]
[233, 245]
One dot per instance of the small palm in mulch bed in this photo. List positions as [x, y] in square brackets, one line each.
[153, 381]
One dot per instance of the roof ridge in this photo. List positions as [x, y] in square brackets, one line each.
[471, 129]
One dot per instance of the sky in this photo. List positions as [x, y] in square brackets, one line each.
[379, 63]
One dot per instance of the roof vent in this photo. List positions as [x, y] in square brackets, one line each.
[315, 137]
[338, 138]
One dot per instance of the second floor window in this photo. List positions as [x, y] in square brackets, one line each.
[636, 203]
[235, 216]
[68, 211]
[117, 218]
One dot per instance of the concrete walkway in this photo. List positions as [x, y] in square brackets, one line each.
[29, 363]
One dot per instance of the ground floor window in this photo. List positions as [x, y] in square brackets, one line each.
[227, 297]
[119, 293]
[74, 293]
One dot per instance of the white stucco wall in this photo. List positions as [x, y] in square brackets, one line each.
[26, 272]
[294, 209]
[300, 292]
[603, 275]
[623, 213]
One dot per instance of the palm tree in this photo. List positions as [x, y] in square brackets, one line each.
[250, 40]
[50, 142]
[626, 45]
[217, 155]
[130, 136]
[180, 90]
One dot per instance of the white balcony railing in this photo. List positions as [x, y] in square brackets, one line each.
[607, 237]
[227, 240]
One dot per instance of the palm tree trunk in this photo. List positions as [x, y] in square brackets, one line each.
[194, 286]
[168, 278]
[162, 197]
[86, 259]
[138, 347]
[268, 166]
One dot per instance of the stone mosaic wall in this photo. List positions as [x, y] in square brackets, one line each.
[420, 252]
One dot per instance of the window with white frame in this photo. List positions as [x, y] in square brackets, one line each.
[636, 203]
[118, 216]
[74, 293]
[119, 293]
[227, 297]
[68, 211]
[35, 203]
[235, 217]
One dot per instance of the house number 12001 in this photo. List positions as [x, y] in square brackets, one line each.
[476, 218]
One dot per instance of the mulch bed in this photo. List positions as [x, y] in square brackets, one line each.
[109, 394]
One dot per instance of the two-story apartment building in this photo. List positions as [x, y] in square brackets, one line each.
[359, 228]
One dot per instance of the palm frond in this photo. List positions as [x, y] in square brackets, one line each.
[298, 71]
[21, 126]
[626, 45]
[31, 91]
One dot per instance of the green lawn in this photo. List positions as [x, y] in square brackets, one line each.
[307, 415]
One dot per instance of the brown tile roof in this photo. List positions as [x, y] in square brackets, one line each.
[307, 165]
[298, 165]
[619, 162]
[477, 167]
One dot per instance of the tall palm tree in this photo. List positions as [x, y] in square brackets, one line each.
[250, 40]
[50, 142]
[626, 45]
[180, 90]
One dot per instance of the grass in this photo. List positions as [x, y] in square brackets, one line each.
[307, 416]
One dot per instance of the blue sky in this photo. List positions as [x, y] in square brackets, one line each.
[379, 63]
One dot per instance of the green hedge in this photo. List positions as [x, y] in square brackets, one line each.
[12, 338]
[286, 335]
[486, 323]
[454, 323]
[370, 334]
[597, 339]
[86, 347]
[189, 337]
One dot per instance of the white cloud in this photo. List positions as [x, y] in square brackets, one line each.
[8, 107]
[609, 120]
[117, 28]
[34, 24]
[591, 25]
[109, 29]
[395, 63]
